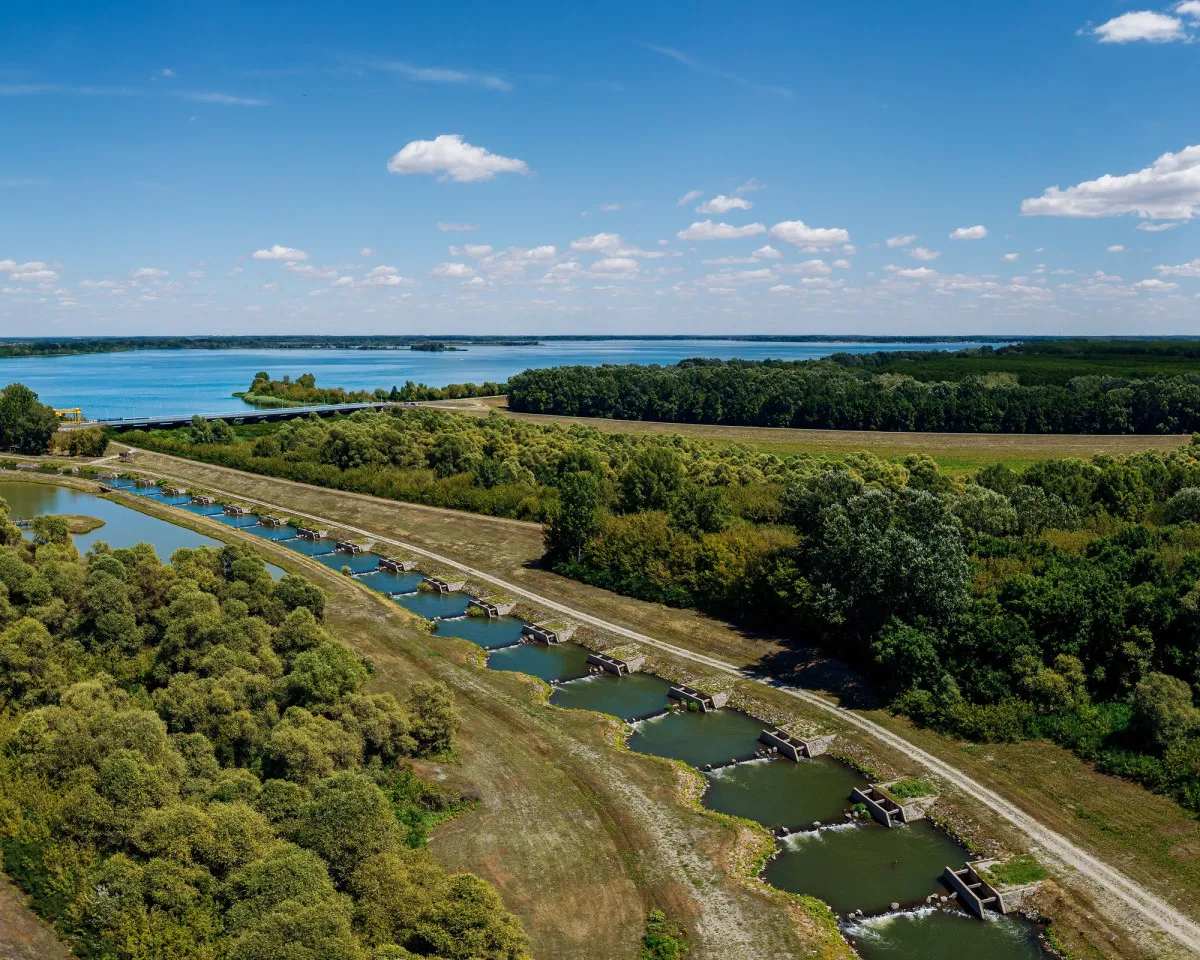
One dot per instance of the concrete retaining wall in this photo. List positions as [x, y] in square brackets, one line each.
[307, 533]
[795, 748]
[705, 701]
[174, 492]
[203, 501]
[884, 810]
[615, 664]
[233, 511]
[445, 586]
[345, 546]
[493, 608]
[397, 566]
[974, 893]
[542, 633]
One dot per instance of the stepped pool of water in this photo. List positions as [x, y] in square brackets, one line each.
[627, 697]
[550, 662]
[488, 632]
[929, 934]
[432, 605]
[783, 793]
[865, 866]
[357, 562]
[698, 738]
[310, 548]
[385, 581]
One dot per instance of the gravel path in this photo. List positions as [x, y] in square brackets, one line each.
[1151, 908]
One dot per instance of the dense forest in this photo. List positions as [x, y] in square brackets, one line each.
[303, 391]
[191, 767]
[846, 393]
[1060, 603]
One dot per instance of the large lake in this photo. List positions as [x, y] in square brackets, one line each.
[177, 382]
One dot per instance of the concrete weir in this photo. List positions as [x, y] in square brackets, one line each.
[397, 566]
[548, 633]
[793, 747]
[204, 501]
[145, 482]
[345, 546]
[615, 664]
[494, 607]
[174, 492]
[437, 585]
[887, 811]
[233, 511]
[270, 521]
[974, 893]
[705, 701]
[307, 533]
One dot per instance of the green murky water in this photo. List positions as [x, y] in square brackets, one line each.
[550, 662]
[434, 605]
[783, 793]
[928, 934]
[385, 581]
[488, 632]
[865, 867]
[698, 738]
[357, 562]
[633, 695]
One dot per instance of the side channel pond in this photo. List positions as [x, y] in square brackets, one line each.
[822, 850]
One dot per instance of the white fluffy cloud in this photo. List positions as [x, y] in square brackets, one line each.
[707, 230]
[34, 271]
[902, 241]
[977, 232]
[1168, 189]
[597, 242]
[723, 204]
[471, 250]
[381, 276]
[688, 198]
[809, 268]
[309, 271]
[923, 253]
[452, 270]
[454, 159]
[278, 252]
[1117, 248]
[620, 266]
[1011, 257]
[147, 273]
[1147, 227]
[1142, 25]
[916, 273]
[366, 252]
[1161, 286]
[1182, 270]
[767, 252]
[802, 235]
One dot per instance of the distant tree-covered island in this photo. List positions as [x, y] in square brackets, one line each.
[435, 346]
[304, 392]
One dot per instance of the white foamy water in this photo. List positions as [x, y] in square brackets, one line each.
[872, 927]
[794, 840]
[731, 767]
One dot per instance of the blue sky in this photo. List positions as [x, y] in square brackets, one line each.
[957, 168]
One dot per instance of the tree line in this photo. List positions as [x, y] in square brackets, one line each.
[1057, 603]
[191, 767]
[833, 394]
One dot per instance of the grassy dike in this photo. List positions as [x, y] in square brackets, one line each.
[1149, 838]
[580, 836]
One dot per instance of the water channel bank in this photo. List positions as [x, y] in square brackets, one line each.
[852, 866]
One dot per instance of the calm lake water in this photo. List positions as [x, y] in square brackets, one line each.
[175, 382]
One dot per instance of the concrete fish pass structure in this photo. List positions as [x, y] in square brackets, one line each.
[887, 811]
[438, 585]
[307, 533]
[548, 633]
[145, 482]
[269, 521]
[204, 501]
[345, 546]
[230, 510]
[494, 607]
[397, 566]
[704, 701]
[793, 747]
[615, 664]
[174, 492]
[974, 892]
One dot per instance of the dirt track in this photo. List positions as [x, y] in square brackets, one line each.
[1054, 846]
